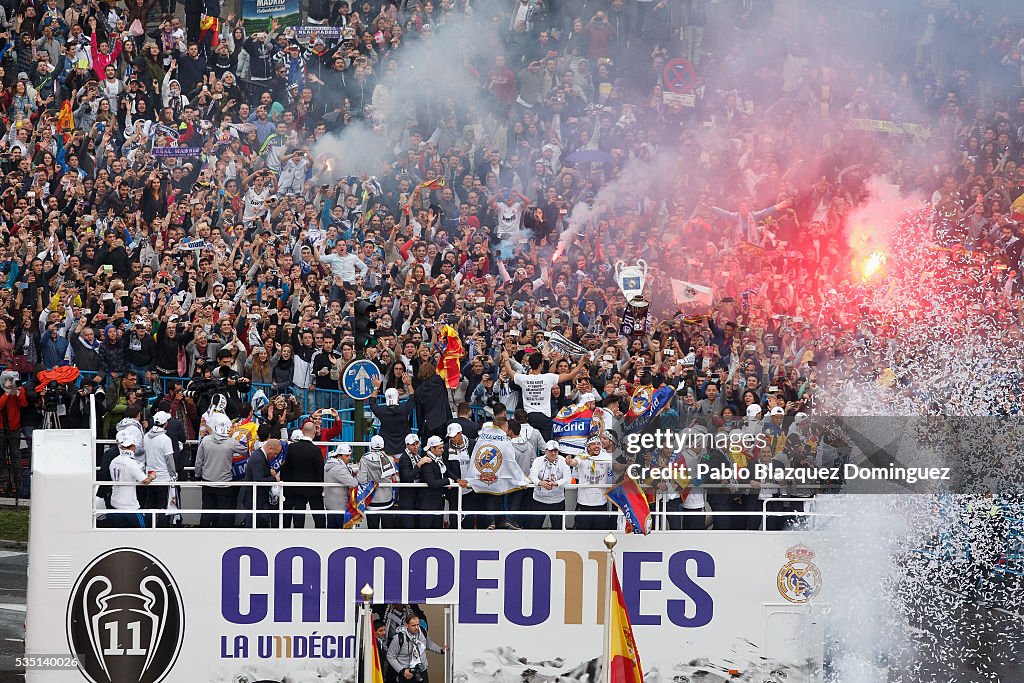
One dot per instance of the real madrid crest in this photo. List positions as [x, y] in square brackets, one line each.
[488, 462]
[799, 579]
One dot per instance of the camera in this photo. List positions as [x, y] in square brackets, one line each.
[145, 391]
[417, 673]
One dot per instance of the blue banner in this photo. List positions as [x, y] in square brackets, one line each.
[322, 31]
[642, 410]
[271, 9]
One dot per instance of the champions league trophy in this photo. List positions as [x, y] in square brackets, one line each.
[631, 280]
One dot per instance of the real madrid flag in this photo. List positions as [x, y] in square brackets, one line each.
[492, 467]
[690, 293]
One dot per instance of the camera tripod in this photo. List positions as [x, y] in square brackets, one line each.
[51, 420]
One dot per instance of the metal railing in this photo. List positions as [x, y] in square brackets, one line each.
[256, 515]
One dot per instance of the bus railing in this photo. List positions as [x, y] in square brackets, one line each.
[257, 516]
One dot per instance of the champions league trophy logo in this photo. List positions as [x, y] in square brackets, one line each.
[631, 280]
[125, 619]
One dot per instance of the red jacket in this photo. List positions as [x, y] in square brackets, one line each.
[10, 410]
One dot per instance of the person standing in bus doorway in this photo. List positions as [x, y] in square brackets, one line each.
[160, 460]
[304, 463]
[435, 474]
[550, 473]
[213, 466]
[338, 470]
[407, 653]
[409, 463]
[377, 466]
[125, 474]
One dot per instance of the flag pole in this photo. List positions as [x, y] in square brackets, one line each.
[609, 542]
[365, 654]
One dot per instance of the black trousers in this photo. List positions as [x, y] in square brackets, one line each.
[494, 504]
[124, 520]
[299, 501]
[385, 521]
[156, 498]
[519, 501]
[537, 521]
[10, 462]
[593, 522]
[218, 498]
[542, 422]
[695, 521]
[722, 502]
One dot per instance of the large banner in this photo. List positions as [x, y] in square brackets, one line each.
[258, 13]
[229, 605]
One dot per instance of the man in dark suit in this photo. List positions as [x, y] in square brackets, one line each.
[409, 473]
[436, 475]
[305, 463]
[258, 470]
[470, 428]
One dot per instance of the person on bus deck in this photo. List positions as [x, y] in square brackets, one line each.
[259, 471]
[377, 466]
[394, 416]
[338, 470]
[304, 463]
[160, 462]
[409, 463]
[594, 468]
[125, 474]
[457, 455]
[550, 473]
[407, 652]
[213, 467]
[436, 475]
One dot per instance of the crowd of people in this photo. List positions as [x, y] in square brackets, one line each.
[191, 215]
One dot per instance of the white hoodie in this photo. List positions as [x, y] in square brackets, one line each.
[160, 454]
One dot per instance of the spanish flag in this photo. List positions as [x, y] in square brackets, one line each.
[630, 499]
[431, 185]
[623, 658]
[371, 657]
[1017, 208]
[449, 365]
[210, 26]
[65, 118]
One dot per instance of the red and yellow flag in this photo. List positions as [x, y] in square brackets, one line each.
[1017, 208]
[431, 185]
[450, 364]
[65, 118]
[623, 655]
[210, 26]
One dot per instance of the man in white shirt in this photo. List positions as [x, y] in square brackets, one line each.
[537, 386]
[344, 266]
[550, 473]
[593, 468]
[125, 472]
[160, 462]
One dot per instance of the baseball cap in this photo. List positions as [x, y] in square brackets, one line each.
[391, 397]
[551, 445]
[453, 429]
[343, 449]
[777, 410]
[753, 410]
[125, 439]
[161, 417]
[588, 398]
[799, 417]
[296, 435]
[434, 441]
[411, 439]
[377, 443]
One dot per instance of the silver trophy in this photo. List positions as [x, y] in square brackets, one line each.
[631, 279]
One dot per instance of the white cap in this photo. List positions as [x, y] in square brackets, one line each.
[588, 398]
[377, 443]
[753, 410]
[453, 429]
[343, 449]
[799, 417]
[777, 410]
[391, 397]
[125, 438]
[551, 445]
[434, 441]
[411, 439]
[297, 435]
[161, 417]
